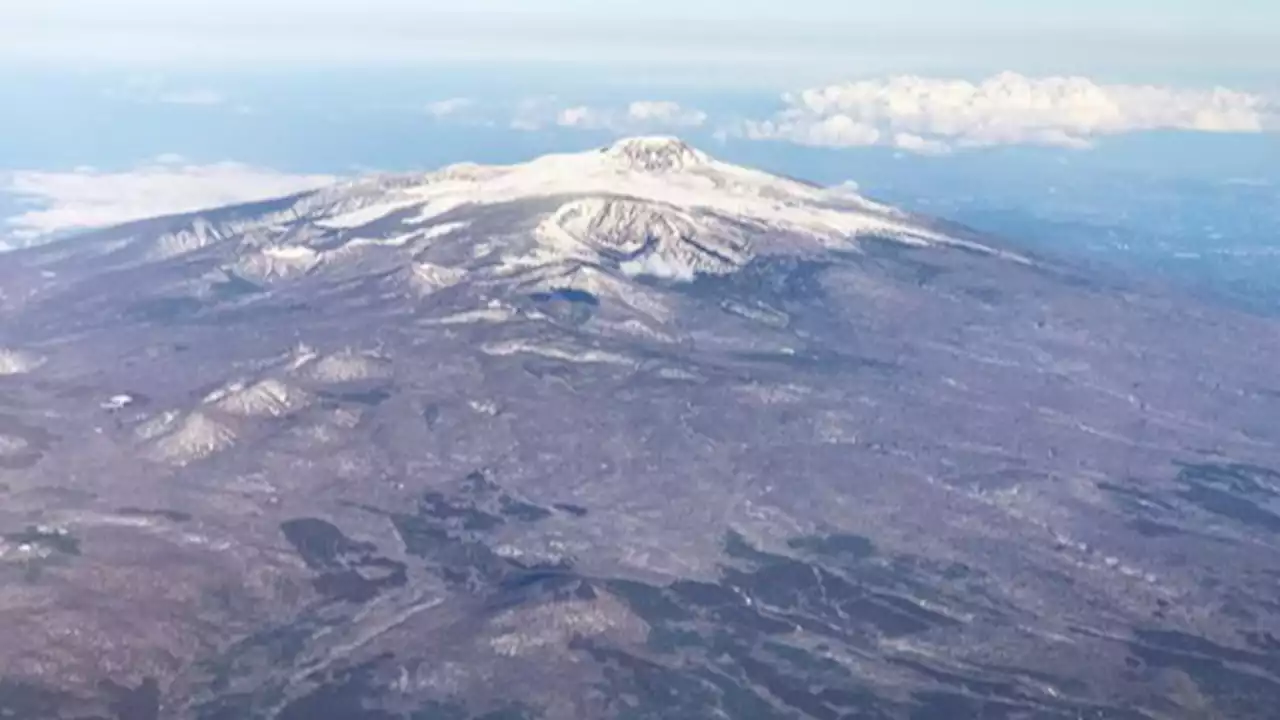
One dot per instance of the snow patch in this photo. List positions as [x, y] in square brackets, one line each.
[365, 215]
[513, 347]
[157, 426]
[443, 229]
[197, 437]
[428, 278]
[393, 241]
[654, 265]
[496, 314]
[18, 362]
[12, 445]
[116, 402]
[280, 261]
[201, 234]
[266, 398]
[348, 365]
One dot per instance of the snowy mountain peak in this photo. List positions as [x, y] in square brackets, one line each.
[643, 206]
[657, 153]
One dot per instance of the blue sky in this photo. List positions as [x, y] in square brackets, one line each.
[798, 40]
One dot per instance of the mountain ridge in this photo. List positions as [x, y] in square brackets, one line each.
[505, 440]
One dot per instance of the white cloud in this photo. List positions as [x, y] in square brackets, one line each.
[535, 113]
[655, 265]
[638, 116]
[934, 115]
[88, 198]
[664, 112]
[441, 109]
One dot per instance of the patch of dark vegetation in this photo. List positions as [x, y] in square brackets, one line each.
[234, 707]
[1237, 682]
[348, 570]
[1236, 491]
[447, 531]
[773, 598]
[572, 295]
[668, 639]
[520, 510]
[320, 543]
[967, 683]
[511, 712]
[170, 515]
[543, 368]
[458, 513]
[140, 703]
[1153, 529]
[234, 287]
[813, 698]
[1240, 478]
[836, 546]
[642, 689]
[371, 397]
[344, 694]
[1134, 499]
[243, 665]
[164, 309]
[901, 261]
[361, 586]
[436, 710]
[479, 506]
[574, 510]
[757, 311]
[738, 547]
[567, 305]
[354, 692]
[478, 483]
[20, 460]
[57, 540]
[524, 585]
[23, 701]
[938, 705]
[705, 595]
[654, 605]
[810, 590]
[985, 295]
[464, 563]
[1232, 506]
[1267, 642]
[776, 280]
[257, 313]
[737, 637]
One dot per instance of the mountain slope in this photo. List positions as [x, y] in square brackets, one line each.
[629, 433]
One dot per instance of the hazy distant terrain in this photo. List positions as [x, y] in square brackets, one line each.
[632, 433]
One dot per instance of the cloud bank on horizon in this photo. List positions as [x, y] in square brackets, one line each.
[937, 115]
[921, 114]
[87, 198]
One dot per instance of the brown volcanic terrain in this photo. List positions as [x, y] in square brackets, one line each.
[454, 465]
